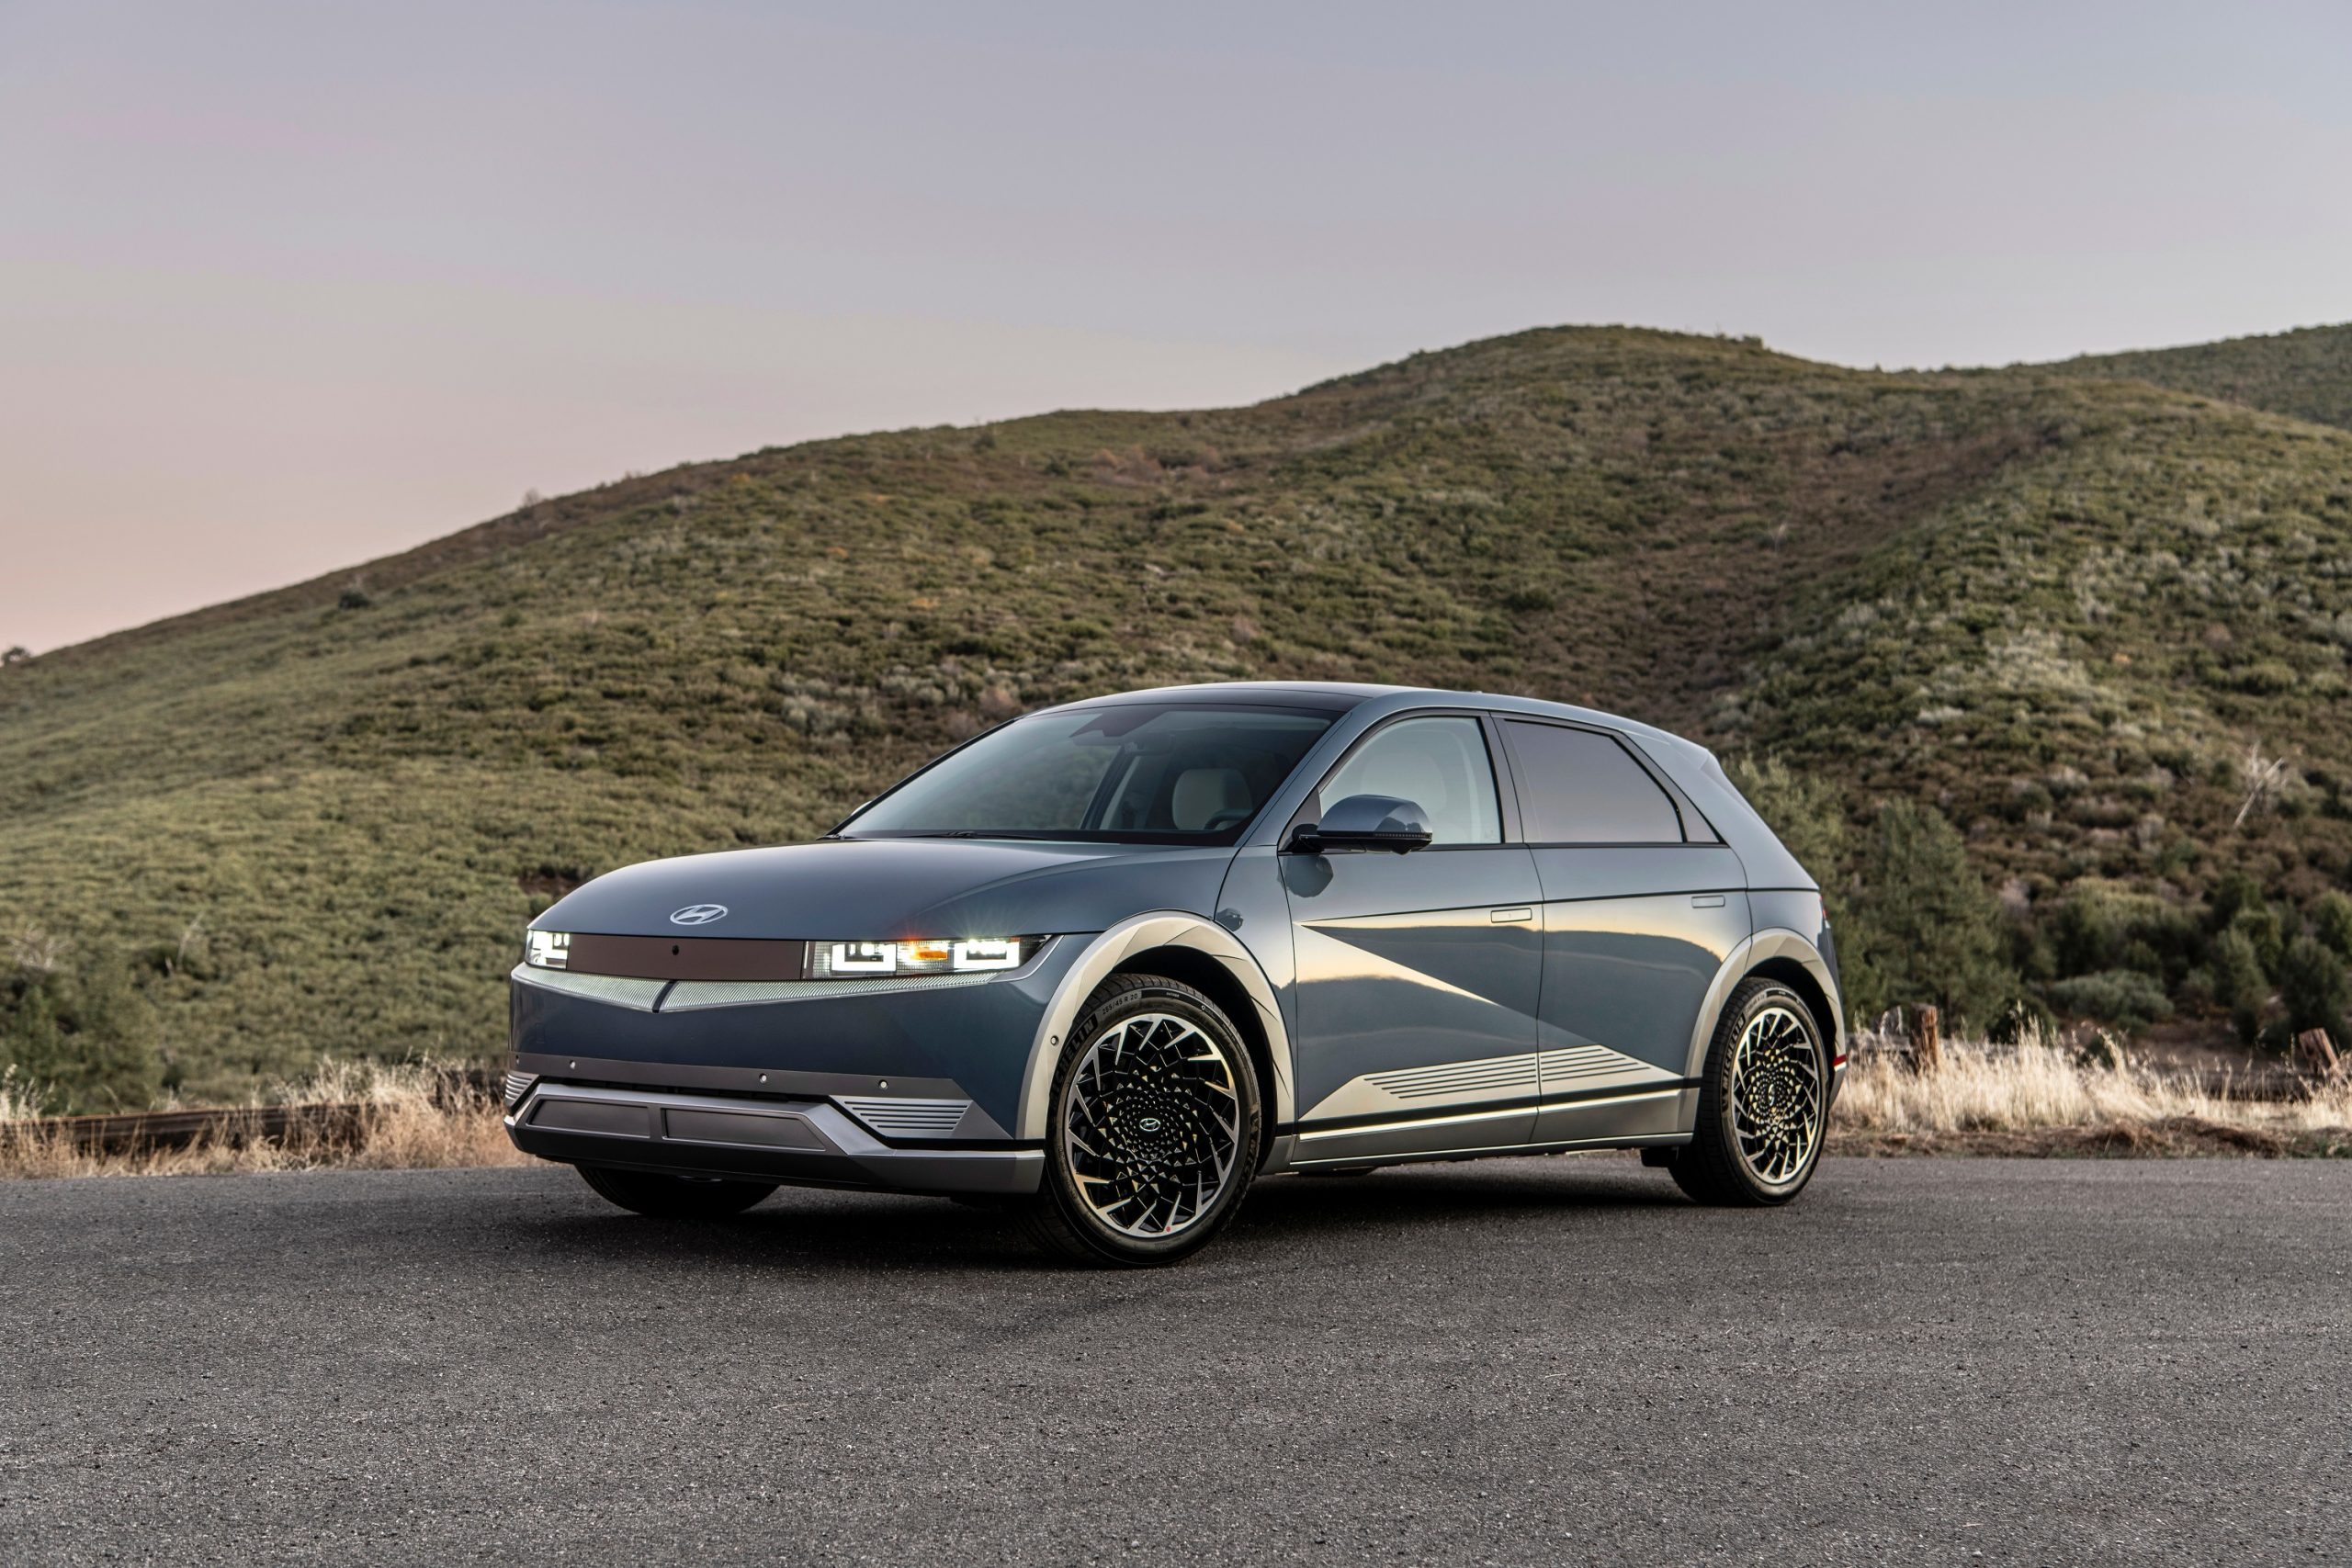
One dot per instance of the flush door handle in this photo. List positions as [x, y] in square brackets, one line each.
[1706, 900]
[1516, 912]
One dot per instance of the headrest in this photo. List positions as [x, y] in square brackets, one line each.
[1201, 792]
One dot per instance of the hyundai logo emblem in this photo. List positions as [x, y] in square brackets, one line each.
[699, 915]
[1148, 1125]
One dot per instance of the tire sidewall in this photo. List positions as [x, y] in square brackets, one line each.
[1125, 1000]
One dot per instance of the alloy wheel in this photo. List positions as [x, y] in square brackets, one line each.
[1152, 1124]
[1776, 1096]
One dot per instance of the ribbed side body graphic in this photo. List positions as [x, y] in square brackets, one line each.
[1458, 1080]
[1574, 1064]
[906, 1118]
[1567, 1069]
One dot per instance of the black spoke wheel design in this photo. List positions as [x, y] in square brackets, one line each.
[1154, 1127]
[1763, 1101]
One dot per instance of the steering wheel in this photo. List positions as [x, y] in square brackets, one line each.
[1230, 816]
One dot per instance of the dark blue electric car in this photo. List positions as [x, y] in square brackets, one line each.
[1110, 961]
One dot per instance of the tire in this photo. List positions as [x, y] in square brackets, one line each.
[1154, 1098]
[660, 1197]
[1763, 1102]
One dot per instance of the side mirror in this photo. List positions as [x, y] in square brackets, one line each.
[1365, 822]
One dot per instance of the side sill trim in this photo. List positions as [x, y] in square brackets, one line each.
[1425, 1117]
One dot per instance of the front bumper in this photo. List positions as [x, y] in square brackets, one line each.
[911, 1088]
[804, 1142]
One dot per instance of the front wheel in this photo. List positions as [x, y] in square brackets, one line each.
[662, 1196]
[1763, 1101]
[1154, 1131]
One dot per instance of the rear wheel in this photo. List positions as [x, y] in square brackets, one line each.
[1154, 1131]
[674, 1197]
[1763, 1101]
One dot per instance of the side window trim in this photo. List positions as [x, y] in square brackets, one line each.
[1506, 805]
[1505, 774]
[1673, 796]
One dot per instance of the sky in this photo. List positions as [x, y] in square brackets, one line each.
[287, 287]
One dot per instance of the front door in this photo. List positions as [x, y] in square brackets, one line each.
[1418, 974]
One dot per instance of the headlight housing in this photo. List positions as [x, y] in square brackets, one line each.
[943, 955]
[823, 960]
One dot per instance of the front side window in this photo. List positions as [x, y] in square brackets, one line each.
[1438, 763]
[1135, 773]
[1577, 786]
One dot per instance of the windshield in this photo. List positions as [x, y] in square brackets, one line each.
[1139, 772]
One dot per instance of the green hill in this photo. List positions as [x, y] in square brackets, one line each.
[2059, 610]
[2307, 373]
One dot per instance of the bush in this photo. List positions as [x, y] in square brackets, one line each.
[2239, 983]
[2085, 932]
[2233, 892]
[2259, 924]
[2332, 923]
[1930, 931]
[2101, 926]
[2123, 997]
[84, 1043]
[2312, 987]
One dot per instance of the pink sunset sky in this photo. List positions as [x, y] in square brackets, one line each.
[287, 287]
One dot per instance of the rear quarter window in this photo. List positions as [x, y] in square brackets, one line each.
[1579, 786]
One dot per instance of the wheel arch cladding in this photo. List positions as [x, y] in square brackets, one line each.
[1775, 954]
[1120, 950]
[1215, 981]
[1788, 972]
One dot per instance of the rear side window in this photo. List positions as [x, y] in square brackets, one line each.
[1579, 787]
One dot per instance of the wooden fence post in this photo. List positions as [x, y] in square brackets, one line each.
[1926, 1039]
[2314, 1057]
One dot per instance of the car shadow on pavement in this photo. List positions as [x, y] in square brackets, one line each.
[805, 1229]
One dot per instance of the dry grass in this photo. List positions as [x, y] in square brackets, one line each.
[2042, 1096]
[404, 1118]
[2035, 1097]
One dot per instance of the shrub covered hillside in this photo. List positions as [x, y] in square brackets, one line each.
[2044, 675]
[2307, 374]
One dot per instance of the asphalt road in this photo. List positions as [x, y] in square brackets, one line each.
[1519, 1361]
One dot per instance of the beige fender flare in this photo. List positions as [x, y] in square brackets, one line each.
[1141, 933]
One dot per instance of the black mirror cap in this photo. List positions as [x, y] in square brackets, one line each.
[1365, 822]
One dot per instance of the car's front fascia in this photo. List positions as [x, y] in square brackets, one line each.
[921, 1082]
[910, 1081]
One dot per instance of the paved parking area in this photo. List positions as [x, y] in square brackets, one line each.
[1528, 1360]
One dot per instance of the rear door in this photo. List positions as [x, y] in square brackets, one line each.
[1416, 973]
[1641, 902]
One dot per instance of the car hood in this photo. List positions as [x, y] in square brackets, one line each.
[897, 889]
